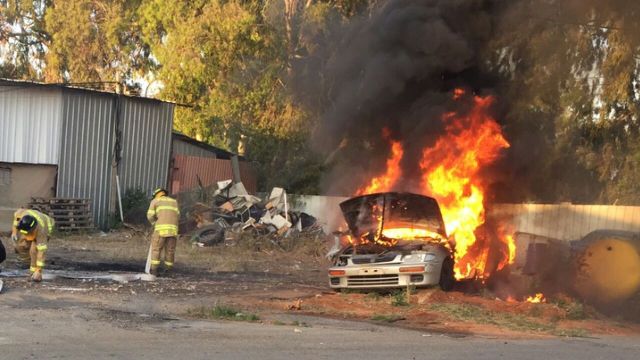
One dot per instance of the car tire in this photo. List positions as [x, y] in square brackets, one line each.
[209, 235]
[447, 276]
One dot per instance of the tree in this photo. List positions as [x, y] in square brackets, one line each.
[23, 38]
[95, 41]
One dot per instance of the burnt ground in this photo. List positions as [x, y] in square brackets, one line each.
[279, 284]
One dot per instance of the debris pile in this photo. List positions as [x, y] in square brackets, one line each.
[235, 211]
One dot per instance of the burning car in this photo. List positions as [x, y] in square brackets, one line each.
[395, 240]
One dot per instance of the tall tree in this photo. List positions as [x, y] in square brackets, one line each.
[95, 41]
[23, 38]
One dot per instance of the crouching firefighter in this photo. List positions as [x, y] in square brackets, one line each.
[30, 235]
[164, 215]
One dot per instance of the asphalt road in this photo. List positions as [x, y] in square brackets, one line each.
[74, 331]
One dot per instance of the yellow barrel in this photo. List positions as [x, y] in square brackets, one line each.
[608, 269]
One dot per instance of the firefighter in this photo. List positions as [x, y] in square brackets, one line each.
[30, 234]
[164, 215]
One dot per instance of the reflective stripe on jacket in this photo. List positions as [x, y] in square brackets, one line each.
[164, 213]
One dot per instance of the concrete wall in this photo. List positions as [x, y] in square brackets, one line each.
[19, 183]
[559, 221]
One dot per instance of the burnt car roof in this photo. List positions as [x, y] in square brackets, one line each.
[362, 213]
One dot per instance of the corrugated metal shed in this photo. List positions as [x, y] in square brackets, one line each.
[88, 135]
[91, 135]
[146, 143]
[181, 147]
[30, 119]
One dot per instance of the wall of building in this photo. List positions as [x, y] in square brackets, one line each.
[104, 135]
[86, 155]
[181, 147]
[146, 128]
[19, 183]
[191, 171]
[31, 120]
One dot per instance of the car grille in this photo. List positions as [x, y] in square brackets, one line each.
[371, 280]
[371, 260]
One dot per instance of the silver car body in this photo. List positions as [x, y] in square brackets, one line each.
[391, 270]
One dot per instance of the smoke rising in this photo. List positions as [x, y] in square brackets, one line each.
[395, 70]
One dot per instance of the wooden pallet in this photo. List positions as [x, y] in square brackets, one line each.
[69, 214]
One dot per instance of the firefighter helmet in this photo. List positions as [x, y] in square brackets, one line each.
[27, 223]
[157, 191]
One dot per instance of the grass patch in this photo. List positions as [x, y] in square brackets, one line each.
[375, 296]
[399, 298]
[571, 332]
[222, 312]
[473, 313]
[574, 310]
[387, 318]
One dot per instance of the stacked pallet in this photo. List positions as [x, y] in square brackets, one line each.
[69, 214]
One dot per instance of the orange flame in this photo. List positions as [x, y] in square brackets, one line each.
[538, 298]
[386, 181]
[452, 174]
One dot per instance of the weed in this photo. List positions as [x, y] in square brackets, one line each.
[387, 318]
[466, 312]
[574, 310]
[571, 332]
[399, 298]
[375, 296]
[222, 312]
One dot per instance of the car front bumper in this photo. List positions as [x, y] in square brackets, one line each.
[384, 276]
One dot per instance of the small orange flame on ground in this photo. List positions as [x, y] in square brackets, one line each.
[538, 298]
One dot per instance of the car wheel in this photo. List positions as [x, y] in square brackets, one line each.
[447, 277]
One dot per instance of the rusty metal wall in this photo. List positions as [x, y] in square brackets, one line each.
[86, 149]
[30, 123]
[188, 169]
[145, 143]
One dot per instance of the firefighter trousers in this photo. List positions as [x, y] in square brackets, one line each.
[160, 245]
[27, 252]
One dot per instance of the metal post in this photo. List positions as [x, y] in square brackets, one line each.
[235, 169]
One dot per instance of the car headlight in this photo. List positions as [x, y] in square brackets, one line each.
[413, 258]
[430, 257]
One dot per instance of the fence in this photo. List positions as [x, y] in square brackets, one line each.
[559, 221]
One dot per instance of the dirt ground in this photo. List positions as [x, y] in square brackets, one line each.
[259, 281]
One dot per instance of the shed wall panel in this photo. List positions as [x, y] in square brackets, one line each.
[30, 124]
[146, 144]
[86, 151]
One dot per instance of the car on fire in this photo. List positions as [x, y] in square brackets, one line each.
[395, 240]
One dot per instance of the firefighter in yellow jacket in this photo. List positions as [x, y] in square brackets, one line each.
[164, 215]
[30, 235]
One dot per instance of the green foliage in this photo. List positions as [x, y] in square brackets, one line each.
[399, 298]
[387, 318]
[135, 203]
[474, 313]
[223, 312]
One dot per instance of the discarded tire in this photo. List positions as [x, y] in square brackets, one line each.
[209, 235]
